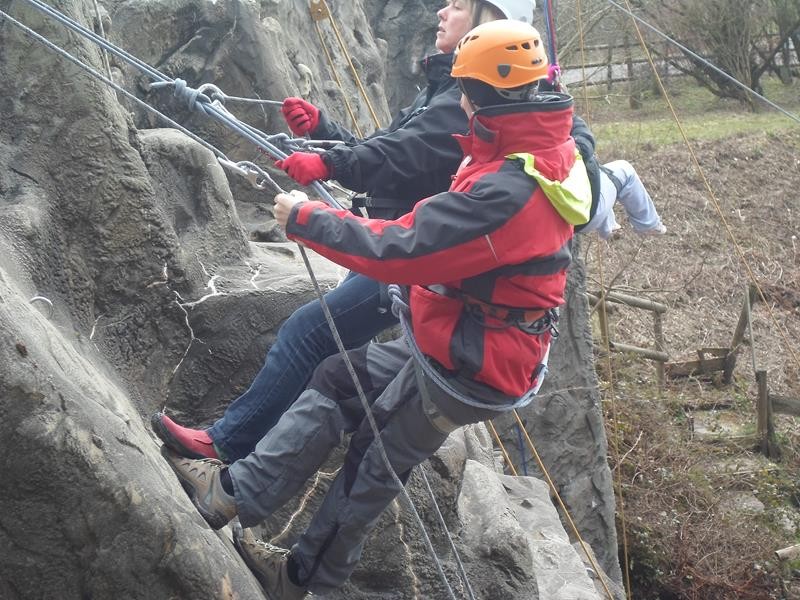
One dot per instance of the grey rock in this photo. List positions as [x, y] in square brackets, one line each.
[162, 296]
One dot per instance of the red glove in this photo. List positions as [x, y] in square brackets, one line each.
[304, 167]
[302, 116]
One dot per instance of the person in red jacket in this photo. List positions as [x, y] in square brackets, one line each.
[486, 263]
[413, 158]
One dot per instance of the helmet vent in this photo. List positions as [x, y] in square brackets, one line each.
[512, 48]
[526, 45]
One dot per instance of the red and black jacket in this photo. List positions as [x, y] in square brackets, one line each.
[494, 235]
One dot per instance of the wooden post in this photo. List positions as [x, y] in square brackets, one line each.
[643, 303]
[738, 334]
[602, 317]
[634, 95]
[658, 333]
[789, 553]
[661, 357]
[762, 412]
[610, 68]
[765, 424]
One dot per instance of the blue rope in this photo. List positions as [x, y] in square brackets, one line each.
[550, 28]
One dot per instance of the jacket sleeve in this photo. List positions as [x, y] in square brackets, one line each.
[395, 160]
[447, 237]
[585, 142]
[328, 129]
[331, 130]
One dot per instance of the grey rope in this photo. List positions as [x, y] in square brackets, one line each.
[462, 571]
[368, 410]
[195, 99]
[109, 82]
[704, 61]
[400, 309]
[373, 425]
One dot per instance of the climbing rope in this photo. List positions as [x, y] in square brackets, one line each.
[101, 28]
[461, 570]
[320, 11]
[196, 100]
[502, 447]
[548, 10]
[701, 172]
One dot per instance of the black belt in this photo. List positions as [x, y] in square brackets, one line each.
[530, 320]
[370, 202]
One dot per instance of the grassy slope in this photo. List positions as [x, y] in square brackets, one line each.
[694, 530]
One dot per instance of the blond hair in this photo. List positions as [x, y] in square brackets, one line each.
[483, 12]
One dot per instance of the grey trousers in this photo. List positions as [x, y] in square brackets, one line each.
[411, 431]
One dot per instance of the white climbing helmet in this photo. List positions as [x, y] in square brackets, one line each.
[519, 10]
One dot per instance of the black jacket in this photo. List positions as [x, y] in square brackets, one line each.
[585, 142]
[414, 157]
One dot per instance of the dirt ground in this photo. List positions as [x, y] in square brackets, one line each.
[697, 269]
[696, 528]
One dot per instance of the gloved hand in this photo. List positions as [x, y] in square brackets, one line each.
[304, 167]
[301, 116]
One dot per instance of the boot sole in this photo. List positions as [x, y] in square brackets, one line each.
[165, 435]
[215, 520]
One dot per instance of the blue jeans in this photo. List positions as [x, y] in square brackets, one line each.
[304, 340]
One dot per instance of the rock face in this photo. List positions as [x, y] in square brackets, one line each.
[163, 293]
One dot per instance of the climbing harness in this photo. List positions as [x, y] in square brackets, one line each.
[402, 311]
[535, 321]
[213, 106]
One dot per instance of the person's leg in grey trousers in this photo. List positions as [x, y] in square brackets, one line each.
[328, 551]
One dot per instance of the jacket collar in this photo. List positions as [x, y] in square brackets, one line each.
[437, 67]
[497, 131]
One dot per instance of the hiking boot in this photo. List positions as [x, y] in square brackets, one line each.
[191, 443]
[200, 479]
[269, 564]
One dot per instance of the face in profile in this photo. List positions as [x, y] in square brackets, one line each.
[455, 20]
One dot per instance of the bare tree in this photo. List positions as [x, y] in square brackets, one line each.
[736, 36]
[787, 22]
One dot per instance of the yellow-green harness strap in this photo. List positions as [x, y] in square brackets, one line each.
[572, 198]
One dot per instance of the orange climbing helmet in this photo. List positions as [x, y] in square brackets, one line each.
[503, 54]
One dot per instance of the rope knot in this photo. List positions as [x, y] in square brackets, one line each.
[192, 96]
[553, 73]
[398, 302]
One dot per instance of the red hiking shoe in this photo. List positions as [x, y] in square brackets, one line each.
[190, 443]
